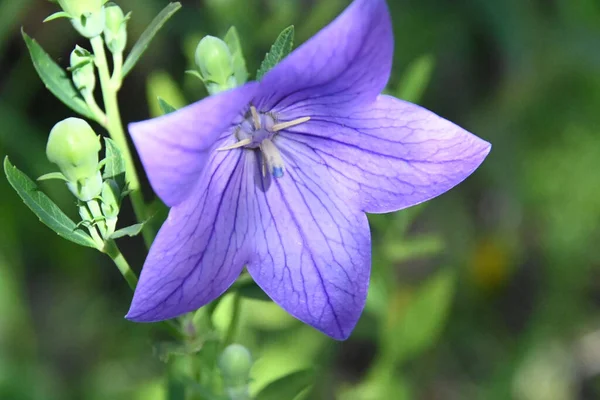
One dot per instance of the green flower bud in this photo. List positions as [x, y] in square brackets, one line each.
[74, 146]
[82, 70]
[87, 16]
[235, 363]
[115, 30]
[215, 62]
[111, 199]
[86, 189]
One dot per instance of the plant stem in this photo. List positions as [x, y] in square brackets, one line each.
[235, 320]
[98, 113]
[117, 79]
[114, 127]
[97, 217]
[86, 215]
[111, 249]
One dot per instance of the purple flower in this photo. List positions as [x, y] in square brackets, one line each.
[277, 176]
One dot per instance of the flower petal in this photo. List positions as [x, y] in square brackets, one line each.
[201, 248]
[393, 154]
[348, 61]
[174, 148]
[312, 252]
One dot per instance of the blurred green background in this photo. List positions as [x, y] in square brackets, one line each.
[491, 291]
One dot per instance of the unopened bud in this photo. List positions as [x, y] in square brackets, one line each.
[215, 62]
[82, 70]
[115, 30]
[87, 16]
[111, 199]
[74, 146]
[235, 363]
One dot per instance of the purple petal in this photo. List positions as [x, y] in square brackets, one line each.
[174, 148]
[202, 247]
[392, 154]
[312, 251]
[348, 61]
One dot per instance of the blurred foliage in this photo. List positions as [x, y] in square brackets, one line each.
[489, 292]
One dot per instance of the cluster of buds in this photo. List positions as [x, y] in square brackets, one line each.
[92, 18]
[74, 147]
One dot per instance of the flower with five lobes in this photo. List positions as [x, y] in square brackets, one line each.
[277, 176]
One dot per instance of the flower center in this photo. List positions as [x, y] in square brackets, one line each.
[257, 132]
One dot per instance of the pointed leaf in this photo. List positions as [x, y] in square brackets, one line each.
[55, 78]
[232, 39]
[165, 107]
[57, 15]
[53, 175]
[195, 73]
[280, 49]
[130, 231]
[114, 163]
[416, 78]
[144, 41]
[288, 387]
[45, 209]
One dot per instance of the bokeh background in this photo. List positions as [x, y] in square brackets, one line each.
[491, 291]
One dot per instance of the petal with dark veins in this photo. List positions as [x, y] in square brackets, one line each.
[312, 251]
[347, 62]
[174, 148]
[202, 247]
[391, 154]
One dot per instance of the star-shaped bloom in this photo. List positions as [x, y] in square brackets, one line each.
[277, 176]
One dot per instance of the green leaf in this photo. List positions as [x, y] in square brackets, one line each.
[55, 78]
[194, 73]
[232, 39]
[424, 317]
[288, 387]
[114, 163]
[57, 15]
[416, 79]
[53, 175]
[280, 49]
[130, 231]
[144, 41]
[45, 209]
[165, 107]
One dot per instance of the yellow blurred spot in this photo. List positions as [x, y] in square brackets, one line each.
[490, 265]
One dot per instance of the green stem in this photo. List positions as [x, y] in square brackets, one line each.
[98, 113]
[97, 217]
[87, 216]
[117, 79]
[235, 320]
[114, 127]
[111, 249]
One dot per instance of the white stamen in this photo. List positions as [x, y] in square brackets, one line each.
[255, 117]
[289, 124]
[237, 145]
[273, 158]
